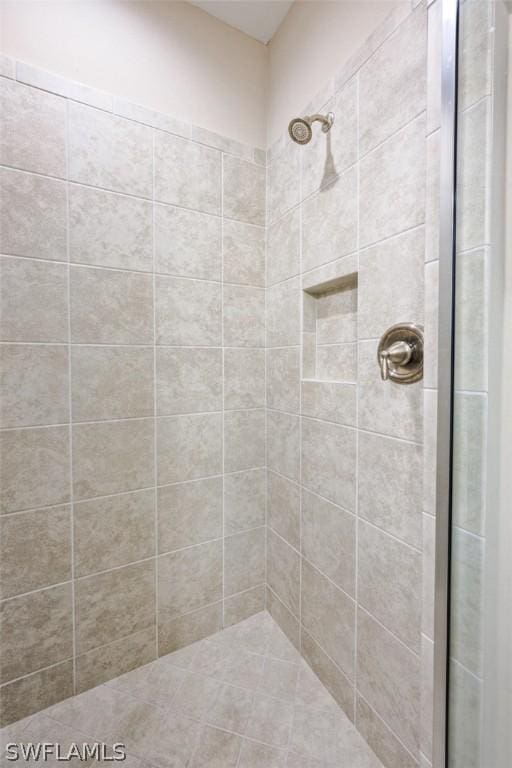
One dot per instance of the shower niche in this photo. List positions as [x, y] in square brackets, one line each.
[329, 342]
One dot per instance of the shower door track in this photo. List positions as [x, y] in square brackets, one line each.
[447, 225]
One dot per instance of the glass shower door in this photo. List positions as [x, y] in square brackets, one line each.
[480, 638]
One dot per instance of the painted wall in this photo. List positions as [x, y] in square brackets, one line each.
[312, 43]
[169, 56]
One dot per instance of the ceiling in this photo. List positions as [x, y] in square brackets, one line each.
[257, 18]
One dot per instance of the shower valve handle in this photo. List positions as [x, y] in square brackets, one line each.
[398, 353]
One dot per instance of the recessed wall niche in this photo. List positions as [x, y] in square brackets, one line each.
[329, 342]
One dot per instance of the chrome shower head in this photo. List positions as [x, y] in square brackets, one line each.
[300, 129]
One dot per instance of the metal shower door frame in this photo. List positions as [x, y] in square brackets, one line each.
[447, 229]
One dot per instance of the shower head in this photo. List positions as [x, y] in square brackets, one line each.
[300, 129]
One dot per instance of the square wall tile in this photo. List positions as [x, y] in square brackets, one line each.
[244, 500]
[328, 540]
[393, 82]
[111, 382]
[243, 605]
[283, 379]
[110, 230]
[34, 468]
[187, 174]
[188, 312]
[243, 190]
[471, 320]
[36, 631]
[190, 578]
[34, 300]
[381, 740]
[189, 513]
[102, 664]
[283, 444]
[329, 225]
[34, 129]
[392, 185]
[389, 583]
[390, 284]
[388, 677]
[336, 362]
[472, 184]
[466, 701]
[283, 508]
[467, 629]
[283, 248]
[328, 614]
[397, 467]
[244, 316]
[329, 154]
[175, 633]
[283, 314]
[111, 307]
[188, 243]
[244, 378]
[115, 604]
[188, 380]
[469, 452]
[283, 181]
[330, 400]
[244, 560]
[110, 152]
[287, 622]
[329, 461]
[244, 253]
[35, 692]
[244, 440]
[283, 572]
[331, 676]
[112, 457]
[24, 564]
[128, 520]
[33, 213]
[188, 447]
[35, 385]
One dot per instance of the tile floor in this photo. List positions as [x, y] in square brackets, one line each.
[242, 698]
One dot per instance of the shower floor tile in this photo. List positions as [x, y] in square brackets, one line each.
[242, 698]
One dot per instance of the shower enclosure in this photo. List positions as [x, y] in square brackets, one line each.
[473, 673]
[252, 441]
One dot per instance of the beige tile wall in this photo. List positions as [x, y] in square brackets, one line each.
[345, 454]
[132, 360]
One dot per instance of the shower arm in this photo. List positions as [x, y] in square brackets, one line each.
[325, 120]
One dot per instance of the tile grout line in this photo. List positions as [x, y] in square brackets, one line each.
[223, 447]
[70, 426]
[265, 376]
[155, 397]
[358, 370]
[301, 374]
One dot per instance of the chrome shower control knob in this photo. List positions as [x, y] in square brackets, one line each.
[400, 353]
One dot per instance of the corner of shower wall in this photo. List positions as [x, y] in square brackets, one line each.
[133, 370]
[347, 516]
